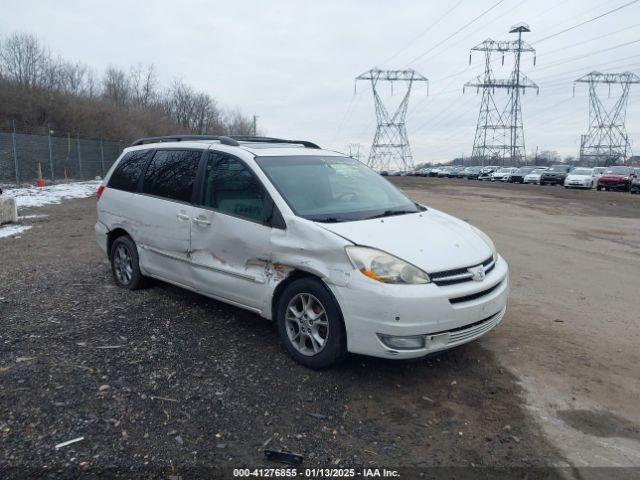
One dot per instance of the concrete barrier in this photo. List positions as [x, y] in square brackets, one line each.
[8, 210]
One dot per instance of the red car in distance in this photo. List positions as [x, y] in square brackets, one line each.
[616, 178]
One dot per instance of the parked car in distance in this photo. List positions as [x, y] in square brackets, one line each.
[455, 171]
[462, 172]
[599, 171]
[471, 173]
[502, 174]
[534, 176]
[616, 178]
[520, 173]
[434, 172]
[339, 258]
[580, 178]
[486, 172]
[555, 175]
[424, 172]
[444, 171]
[635, 182]
[384, 173]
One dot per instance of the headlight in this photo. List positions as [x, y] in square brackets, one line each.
[488, 241]
[383, 267]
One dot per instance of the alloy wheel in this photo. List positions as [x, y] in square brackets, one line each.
[123, 264]
[307, 324]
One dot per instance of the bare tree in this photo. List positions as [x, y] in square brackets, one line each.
[22, 60]
[38, 89]
[115, 86]
[144, 85]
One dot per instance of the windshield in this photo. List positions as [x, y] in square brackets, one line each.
[618, 170]
[559, 168]
[524, 170]
[582, 171]
[334, 189]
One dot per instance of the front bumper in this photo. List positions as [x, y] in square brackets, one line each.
[553, 180]
[618, 185]
[371, 309]
[577, 184]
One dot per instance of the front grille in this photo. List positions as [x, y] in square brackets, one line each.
[474, 296]
[459, 275]
[469, 332]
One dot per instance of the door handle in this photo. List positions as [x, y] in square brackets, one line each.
[183, 216]
[201, 221]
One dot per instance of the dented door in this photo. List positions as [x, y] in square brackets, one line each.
[230, 243]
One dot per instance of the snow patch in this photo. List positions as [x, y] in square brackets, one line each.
[53, 194]
[11, 230]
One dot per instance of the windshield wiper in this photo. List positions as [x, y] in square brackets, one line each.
[391, 213]
[328, 220]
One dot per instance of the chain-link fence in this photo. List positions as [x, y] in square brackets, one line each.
[25, 157]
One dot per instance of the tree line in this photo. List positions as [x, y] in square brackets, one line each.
[40, 92]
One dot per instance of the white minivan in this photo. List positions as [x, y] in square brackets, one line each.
[331, 251]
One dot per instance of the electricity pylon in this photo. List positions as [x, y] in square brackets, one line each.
[390, 147]
[606, 142]
[499, 134]
[354, 150]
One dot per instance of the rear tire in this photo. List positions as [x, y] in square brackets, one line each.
[125, 264]
[310, 324]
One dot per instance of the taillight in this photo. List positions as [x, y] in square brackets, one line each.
[100, 190]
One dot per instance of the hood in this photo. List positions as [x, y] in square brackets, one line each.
[430, 240]
[578, 177]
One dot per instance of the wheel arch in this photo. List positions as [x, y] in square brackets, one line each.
[113, 235]
[292, 277]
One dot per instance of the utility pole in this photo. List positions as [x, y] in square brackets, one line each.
[499, 134]
[606, 142]
[390, 147]
[255, 123]
[15, 152]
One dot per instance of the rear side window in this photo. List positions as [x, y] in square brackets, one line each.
[231, 188]
[172, 173]
[127, 173]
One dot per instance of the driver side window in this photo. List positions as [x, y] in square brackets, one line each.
[232, 189]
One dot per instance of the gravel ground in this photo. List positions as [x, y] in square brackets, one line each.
[163, 380]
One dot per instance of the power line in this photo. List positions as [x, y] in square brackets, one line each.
[458, 31]
[579, 57]
[593, 39]
[425, 31]
[586, 21]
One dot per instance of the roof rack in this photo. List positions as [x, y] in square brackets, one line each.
[249, 138]
[183, 138]
[224, 139]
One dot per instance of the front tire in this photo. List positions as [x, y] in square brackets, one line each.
[125, 263]
[310, 324]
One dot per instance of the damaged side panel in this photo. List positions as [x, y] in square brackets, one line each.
[305, 246]
[229, 257]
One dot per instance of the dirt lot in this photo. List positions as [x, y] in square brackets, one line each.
[168, 382]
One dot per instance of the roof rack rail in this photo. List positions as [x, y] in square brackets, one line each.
[183, 138]
[249, 138]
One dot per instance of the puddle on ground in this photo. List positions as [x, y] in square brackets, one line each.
[600, 423]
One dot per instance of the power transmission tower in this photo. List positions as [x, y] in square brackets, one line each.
[499, 134]
[390, 145]
[606, 142]
[354, 150]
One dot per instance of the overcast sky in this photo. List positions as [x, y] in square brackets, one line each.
[293, 62]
